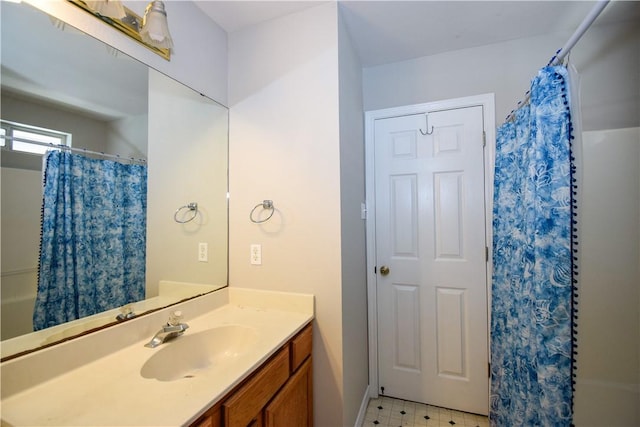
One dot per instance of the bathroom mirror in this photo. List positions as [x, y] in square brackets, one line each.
[57, 78]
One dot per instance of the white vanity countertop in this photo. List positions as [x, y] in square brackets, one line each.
[169, 293]
[110, 391]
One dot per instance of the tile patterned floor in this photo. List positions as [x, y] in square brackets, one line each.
[388, 412]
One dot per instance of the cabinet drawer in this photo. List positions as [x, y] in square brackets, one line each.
[301, 347]
[247, 403]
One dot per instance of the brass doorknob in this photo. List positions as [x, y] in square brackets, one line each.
[384, 270]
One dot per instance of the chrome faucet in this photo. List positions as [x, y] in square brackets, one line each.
[126, 313]
[172, 329]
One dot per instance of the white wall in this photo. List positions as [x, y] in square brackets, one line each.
[199, 59]
[128, 136]
[608, 60]
[285, 146]
[354, 278]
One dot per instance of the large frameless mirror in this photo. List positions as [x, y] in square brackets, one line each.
[58, 82]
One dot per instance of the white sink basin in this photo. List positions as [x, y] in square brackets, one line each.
[186, 355]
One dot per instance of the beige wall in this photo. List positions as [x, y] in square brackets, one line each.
[187, 163]
[285, 146]
[296, 137]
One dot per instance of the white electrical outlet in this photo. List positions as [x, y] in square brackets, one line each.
[256, 254]
[203, 252]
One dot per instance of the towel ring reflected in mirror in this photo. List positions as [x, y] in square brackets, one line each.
[266, 205]
[191, 207]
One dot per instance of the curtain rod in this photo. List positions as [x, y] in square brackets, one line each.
[73, 149]
[584, 26]
[577, 34]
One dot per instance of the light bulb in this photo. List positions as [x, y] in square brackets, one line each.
[155, 29]
[111, 8]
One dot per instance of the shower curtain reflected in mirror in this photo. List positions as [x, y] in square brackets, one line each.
[532, 313]
[93, 237]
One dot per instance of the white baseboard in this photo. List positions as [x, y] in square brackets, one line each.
[363, 408]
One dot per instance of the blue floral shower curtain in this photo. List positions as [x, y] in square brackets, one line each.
[532, 315]
[93, 237]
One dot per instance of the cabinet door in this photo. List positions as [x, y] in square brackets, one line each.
[211, 418]
[293, 404]
[244, 407]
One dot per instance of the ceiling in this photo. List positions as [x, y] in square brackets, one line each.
[381, 32]
[390, 31]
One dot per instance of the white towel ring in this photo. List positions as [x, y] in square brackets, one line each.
[193, 207]
[266, 205]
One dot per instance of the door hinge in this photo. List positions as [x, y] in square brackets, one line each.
[489, 370]
[484, 139]
[486, 254]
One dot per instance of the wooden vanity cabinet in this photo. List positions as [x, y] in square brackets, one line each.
[277, 394]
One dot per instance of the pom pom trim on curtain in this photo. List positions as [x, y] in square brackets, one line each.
[534, 260]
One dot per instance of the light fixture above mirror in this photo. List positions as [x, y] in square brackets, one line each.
[152, 30]
[155, 28]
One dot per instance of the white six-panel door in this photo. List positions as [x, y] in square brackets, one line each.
[430, 237]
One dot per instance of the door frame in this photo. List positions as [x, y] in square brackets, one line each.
[487, 101]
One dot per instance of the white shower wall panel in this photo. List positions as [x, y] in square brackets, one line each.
[18, 298]
[608, 375]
